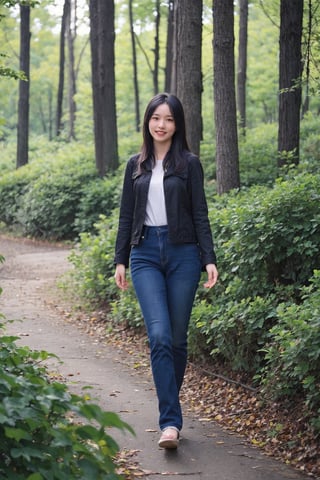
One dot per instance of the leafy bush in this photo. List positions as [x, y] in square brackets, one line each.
[93, 258]
[258, 154]
[292, 370]
[234, 331]
[42, 437]
[13, 186]
[269, 239]
[257, 157]
[8, 152]
[99, 197]
[59, 197]
[310, 145]
[126, 309]
[93, 276]
[50, 205]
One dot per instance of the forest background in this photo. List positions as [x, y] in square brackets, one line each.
[261, 324]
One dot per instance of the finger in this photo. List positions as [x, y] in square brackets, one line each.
[119, 281]
[212, 280]
[208, 283]
[122, 283]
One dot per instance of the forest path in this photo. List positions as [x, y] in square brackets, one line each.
[30, 298]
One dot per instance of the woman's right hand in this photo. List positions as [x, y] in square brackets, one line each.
[120, 276]
[212, 275]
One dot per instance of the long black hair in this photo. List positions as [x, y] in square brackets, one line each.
[174, 157]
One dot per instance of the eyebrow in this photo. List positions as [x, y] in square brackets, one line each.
[158, 115]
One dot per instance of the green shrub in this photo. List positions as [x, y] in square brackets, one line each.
[57, 200]
[268, 239]
[51, 198]
[100, 196]
[92, 258]
[42, 437]
[258, 156]
[8, 152]
[293, 353]
[93, 275]
[13, 185]
[310, 156]
[234, 330]
[258, 152]
[308, 127]
[125, 309]
[207, 156]
[50, 205]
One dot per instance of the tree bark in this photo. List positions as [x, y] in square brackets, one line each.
[102, 37]
[135, 69]
[24, 88]
[242, 64]
[156, 49]
[71, 35]
[169, 49]
[225, 115]
[65, 14]
[188, 75]
[306, 63]
[51, 115]
[290, 69]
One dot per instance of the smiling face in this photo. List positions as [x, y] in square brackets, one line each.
[162, 125]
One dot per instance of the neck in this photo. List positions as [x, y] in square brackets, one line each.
[159, 153]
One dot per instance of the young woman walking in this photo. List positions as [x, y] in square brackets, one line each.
[164, 233]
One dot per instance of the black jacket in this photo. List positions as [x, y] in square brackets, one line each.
[186, 206]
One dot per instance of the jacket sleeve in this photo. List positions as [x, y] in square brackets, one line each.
[122, 247]
[200, 212]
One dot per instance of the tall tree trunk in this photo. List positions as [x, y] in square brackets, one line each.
[102, 37]
[24, 88]
[156, 49]
[291, 15]
[50, 108]
[242, 64]
[71, 36]
[65, 15]
[188, 40]
[306, 103]
[169, 49]
[135, 68]
[227, 154]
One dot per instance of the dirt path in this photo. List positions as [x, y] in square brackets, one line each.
[206, 452]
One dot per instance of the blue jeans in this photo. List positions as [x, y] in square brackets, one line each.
[165, 277]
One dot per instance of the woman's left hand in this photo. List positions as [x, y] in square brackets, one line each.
[212, 275]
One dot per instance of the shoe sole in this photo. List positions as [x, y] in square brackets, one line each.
[171, 444]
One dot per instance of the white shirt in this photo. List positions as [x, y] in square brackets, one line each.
[156, 214]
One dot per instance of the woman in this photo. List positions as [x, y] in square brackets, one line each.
[164, 230]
